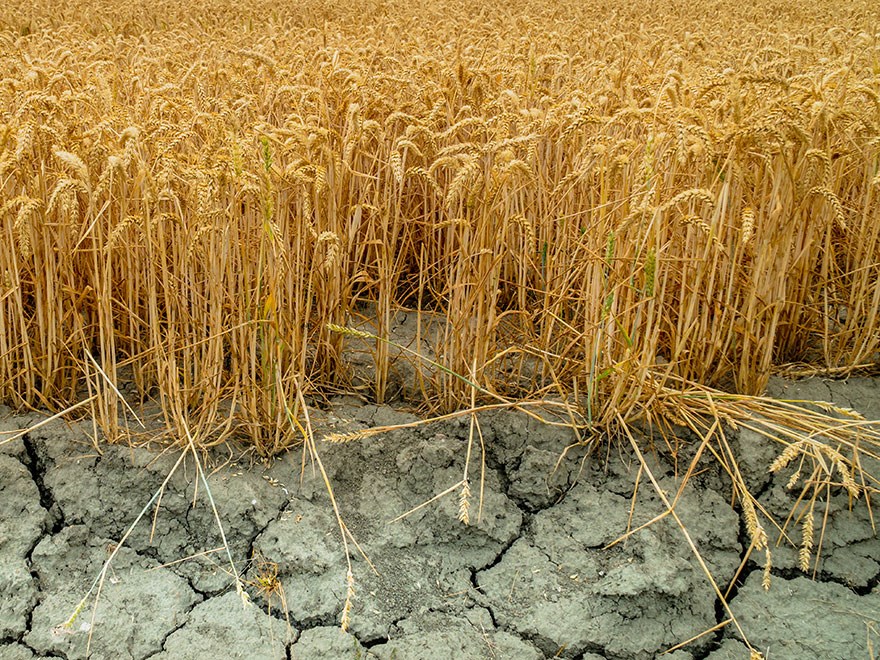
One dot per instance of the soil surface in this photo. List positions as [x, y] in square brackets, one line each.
[529, 577]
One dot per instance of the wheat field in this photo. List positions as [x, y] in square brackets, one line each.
[607, 203]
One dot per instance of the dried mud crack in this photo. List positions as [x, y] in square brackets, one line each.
[37, 469]
[536, 573]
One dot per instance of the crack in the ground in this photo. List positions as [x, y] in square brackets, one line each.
[168, 634]
[166, 638]
[7, 641]
[378, 641]
[29, 617]
[204, 595]
[506, 481]
[37, 654]
[498, 628]
[494, 462]
[721, 612]
[475, 571]
[821, 576]
[37, 469]
[250, 555]
[869, 587]
[301, 625]
[20, 640]
[477, 595]
[482, 601]
[277, 518]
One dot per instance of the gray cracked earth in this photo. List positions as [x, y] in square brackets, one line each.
[528, 578]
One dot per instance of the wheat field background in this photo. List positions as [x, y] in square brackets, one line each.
[606, 204]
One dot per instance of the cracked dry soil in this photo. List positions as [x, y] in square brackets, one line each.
[528, 578]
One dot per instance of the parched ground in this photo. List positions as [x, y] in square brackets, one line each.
[529, 577]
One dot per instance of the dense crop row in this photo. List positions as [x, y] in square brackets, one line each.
[600, 202]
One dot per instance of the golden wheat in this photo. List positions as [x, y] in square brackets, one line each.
[232, 184]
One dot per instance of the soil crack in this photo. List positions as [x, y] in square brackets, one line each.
[37, 468]
[183, 624]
